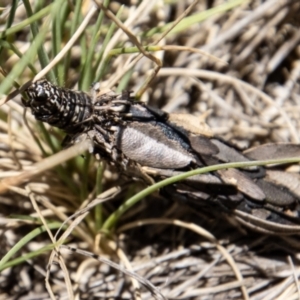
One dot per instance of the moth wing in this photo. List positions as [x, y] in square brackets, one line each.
[273, 151]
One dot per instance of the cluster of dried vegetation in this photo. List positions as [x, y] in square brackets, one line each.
[247, 86]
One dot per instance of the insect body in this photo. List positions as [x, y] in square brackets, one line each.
[148, 143]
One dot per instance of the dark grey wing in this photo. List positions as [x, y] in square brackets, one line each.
[264, 199]
[273, 151]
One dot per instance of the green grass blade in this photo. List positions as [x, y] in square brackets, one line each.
[24, 241]
[87, 75]
[99, 189]
[12, 47]
[57, 29]
[196, 18]
[25, 257]
[10, 19]
[99, 70]
[28, 21]
[75, 22]
[42, 54]
[123, 84]
[20, 66]
[114, 217]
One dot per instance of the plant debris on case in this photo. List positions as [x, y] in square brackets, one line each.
[148, 144]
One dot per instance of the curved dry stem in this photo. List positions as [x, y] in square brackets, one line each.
[201, 231]
[210, 75]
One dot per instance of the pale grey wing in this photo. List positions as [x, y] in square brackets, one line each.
[154, 145]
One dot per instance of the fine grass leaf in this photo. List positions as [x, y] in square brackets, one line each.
[23, 242]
